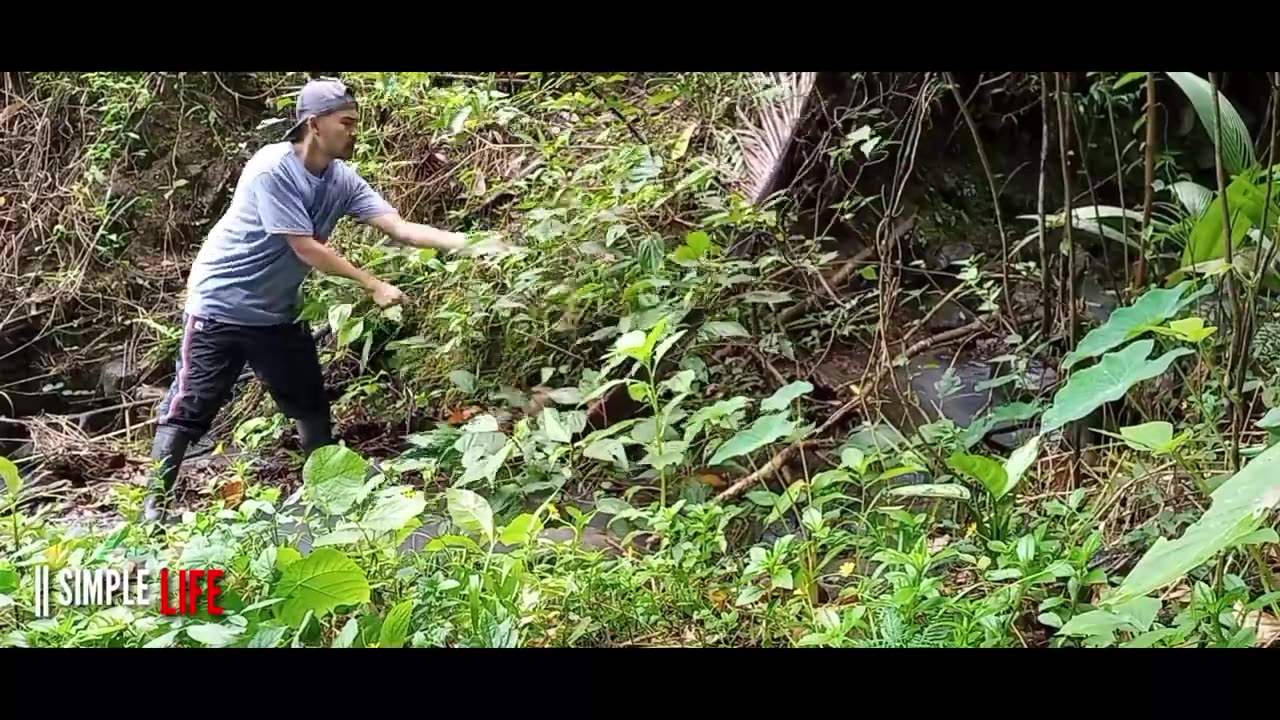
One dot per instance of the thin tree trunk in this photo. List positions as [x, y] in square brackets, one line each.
[1064, 132]
[1239, 319]
[1149, 190]
[1046, 323]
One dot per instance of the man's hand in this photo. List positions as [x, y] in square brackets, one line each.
[386, 294]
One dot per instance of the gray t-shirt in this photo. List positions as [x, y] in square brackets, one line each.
[246, 273]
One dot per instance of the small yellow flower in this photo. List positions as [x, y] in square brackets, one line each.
[848, 569]
[552, 512]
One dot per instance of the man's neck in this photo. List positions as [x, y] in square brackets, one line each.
[312, 159]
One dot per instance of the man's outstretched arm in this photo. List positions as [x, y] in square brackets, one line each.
[417, 234]
[329, 261]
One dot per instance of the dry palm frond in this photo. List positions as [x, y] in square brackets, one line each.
[766, 138]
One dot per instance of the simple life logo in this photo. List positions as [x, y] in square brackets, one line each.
[179, 593]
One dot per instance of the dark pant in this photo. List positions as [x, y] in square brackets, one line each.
[214, 354]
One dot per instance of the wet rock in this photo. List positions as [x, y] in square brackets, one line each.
[951, 253]
[947, 317]
[1099, 302]
[117, 376]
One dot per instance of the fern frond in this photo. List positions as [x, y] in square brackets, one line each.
[767, 132]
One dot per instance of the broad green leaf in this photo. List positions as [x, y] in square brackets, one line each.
[350, 332]
[566, 396]
[854, 459]
[645, 351]
[1026, 548]
[765, 430]
[783, 578]
[1148, 437]
[319, 583]
[613, 505]
[338, 316]
[681, 382]
[393, 511]
[1105, 382]
[12, 480]
[480, 424]
[8, 580]
[555, 430]
[1271, 420]
[1259, 537]
[749, 594]
[487, 468]
[1006, 413]
[781, 400]
[1247, 201]
[470, 512]
[201, 551]
[448, 541]
[682, 143]
[629, 344]
[165, 640]
[522, 530]
[950, 491]
[335, 478]
[1149, 639]
[1194, 197]
[348, 635]
[464, 380]
[286, 556]
[713, 414]
[720, 329]
[1237, 146]
[763, 498]
[347, 533]
[1129, 78]
[989, 472]
[1190, 329]
[1153, 308]
[260, 605]
[395, 629]
[1097, 624]
[214, 634]
[794, 493]
[1238, 508]
[608, 450]
[1019, 462]
[899, 471]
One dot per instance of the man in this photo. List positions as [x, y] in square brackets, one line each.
[243, 291]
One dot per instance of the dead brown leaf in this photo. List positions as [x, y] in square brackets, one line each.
[1266, 625]
[460, 415]
[712, 479]
[232, 492]
[11, 110]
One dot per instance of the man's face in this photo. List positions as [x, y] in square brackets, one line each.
[336, 133]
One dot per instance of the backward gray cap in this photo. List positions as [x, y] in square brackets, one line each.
[319, 97]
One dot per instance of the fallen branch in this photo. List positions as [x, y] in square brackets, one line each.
[847, 271]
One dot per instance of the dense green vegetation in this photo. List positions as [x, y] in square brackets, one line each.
[679, 413]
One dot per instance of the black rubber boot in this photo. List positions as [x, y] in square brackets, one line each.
[168, 451]
[314, 433]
